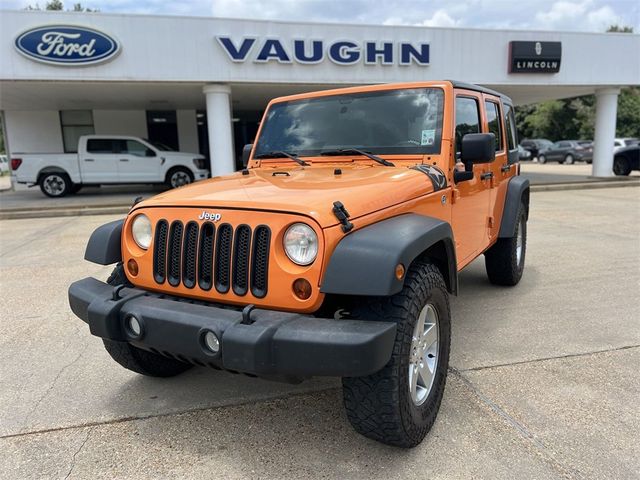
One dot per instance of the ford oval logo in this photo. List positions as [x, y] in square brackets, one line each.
[66, 45]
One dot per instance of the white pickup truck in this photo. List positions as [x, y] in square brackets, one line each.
[108, 159]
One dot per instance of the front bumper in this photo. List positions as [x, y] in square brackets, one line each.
[268, 343]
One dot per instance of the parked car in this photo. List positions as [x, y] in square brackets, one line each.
[108, 159]
[536, 145]
[298, 266]
[619, 143]
[4, 164]
[567, 152]
[523, 153]
[626, 159]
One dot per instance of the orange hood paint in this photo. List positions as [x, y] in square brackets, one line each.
[362, 187]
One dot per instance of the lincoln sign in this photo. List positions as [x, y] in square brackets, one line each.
[534, 57]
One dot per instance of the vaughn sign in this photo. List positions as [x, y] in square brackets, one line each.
[341, 52]
[66, 45]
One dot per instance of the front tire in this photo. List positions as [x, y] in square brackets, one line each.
[542, 159]
[504, 261]
[55, 184]
[136, 359]
[398, 404]
[568, 160]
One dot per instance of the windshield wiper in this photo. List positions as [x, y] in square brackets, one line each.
[350, 151]
[280, 154]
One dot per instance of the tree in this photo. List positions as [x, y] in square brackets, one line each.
[57, 5]
[618, 28]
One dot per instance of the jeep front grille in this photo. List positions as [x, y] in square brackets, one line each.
[210, 256]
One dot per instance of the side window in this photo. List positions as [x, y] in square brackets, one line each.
[493, 120]
[467, 119]
[133, 147]
[100, 145]
[509, 121]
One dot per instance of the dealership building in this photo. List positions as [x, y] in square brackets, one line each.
[201, 84]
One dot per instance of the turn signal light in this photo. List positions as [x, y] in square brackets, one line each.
[15, 163]
[302, 289]
[132, 266]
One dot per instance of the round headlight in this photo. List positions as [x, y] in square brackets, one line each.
[301, 244]
[141, 230]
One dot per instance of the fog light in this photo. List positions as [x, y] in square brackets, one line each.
[132, 266]
[134, 326]
[302, 288]
[211, 342]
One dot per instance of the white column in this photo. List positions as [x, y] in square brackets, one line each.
[606, 111]
[219, 127]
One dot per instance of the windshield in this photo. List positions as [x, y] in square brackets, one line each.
[401, 121]
[160, 146]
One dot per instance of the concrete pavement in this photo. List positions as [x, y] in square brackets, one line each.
[543, 382]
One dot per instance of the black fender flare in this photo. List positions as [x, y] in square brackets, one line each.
[364, 262]
[517, 192]
[104, 244]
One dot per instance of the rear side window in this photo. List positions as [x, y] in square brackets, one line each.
[100, 145]
[510, 122]
[493, 120]
[467, 119]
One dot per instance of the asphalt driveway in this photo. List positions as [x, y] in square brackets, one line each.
[544, 379]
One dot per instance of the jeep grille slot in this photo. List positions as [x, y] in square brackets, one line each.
[241, 251]
[207, 256]
[190, 253]
[260, 261]
[205, 259]
[160, 252]
[222, 268]
[175, 240]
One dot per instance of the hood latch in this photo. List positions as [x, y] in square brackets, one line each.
[343, 216]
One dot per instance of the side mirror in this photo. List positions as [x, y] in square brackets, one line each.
[246, 153]
[478, 148]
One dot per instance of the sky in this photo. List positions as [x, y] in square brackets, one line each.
[564, 15]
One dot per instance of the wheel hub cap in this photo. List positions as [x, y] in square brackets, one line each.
[423, 359]
[54, 185]
[179, 179]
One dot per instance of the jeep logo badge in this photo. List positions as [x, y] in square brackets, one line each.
[214, 217]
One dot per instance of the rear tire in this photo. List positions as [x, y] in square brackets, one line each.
[621, 166]
[55, 184]
[178, 177]
[504, 261]
[395, 405]
[136, 359]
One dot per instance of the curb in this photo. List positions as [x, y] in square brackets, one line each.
[555, 187]
[46, 212]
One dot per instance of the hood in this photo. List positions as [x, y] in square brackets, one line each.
[309, 191]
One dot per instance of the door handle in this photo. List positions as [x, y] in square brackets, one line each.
[124, 159]
[88, 159]
[486, 176]
[505, 168]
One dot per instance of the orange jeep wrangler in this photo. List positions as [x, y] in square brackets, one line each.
[333, 252]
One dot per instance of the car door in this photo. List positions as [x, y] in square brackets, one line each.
[471, 197]
[99, 163]
[500, 121]
[554, 152]
[138, 163]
